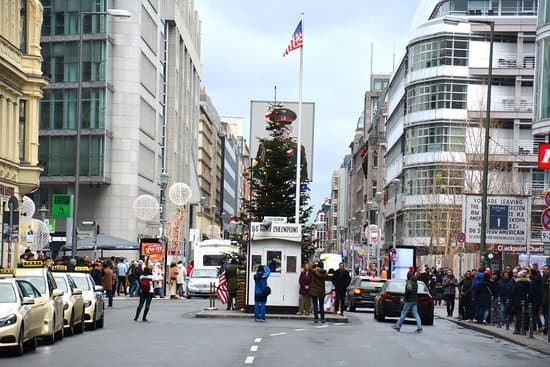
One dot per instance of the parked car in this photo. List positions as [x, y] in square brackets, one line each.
[94, 305]
[42, 279]
[389, 302]
[361, 292]
[73, 301]
[199, 281]
[22, 313]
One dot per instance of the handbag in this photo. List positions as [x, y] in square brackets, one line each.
[267, 291]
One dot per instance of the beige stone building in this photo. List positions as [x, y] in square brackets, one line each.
[21, 84]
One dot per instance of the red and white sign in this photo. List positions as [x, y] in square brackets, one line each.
[544, 155]
[153, 250]
[545, 218]
[461, 237]
[547, 198]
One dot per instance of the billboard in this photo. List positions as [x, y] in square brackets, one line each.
[508, 219]
[152, 249]
[258, 110]
[405, 258]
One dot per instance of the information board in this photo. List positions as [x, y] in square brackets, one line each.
[507, 219]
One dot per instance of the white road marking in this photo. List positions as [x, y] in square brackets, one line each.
[277, 334]
[339, 324]
[300, 329]
[249, 360]
[258, 340]
[254, 348]
[321, 327]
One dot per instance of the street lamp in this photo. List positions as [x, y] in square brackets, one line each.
[118, 13]
[43, 211]
[378, 198]
[485, 172]
[396, 183]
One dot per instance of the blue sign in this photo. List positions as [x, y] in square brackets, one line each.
[498, 217]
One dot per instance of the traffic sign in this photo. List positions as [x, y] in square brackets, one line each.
[545, 236]
[61, 206]
[460, 250]
[547, 198]
[461, 237]
[545, 218]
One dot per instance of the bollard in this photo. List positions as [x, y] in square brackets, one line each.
[530, 318]
[522, 319]
[212, 296]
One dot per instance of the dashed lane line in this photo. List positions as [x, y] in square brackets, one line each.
[321, 327]
[249, 360]
[300, 329]
[277, 334]
[254, 348]
[258, 340]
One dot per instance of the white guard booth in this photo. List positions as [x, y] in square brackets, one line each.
[278, 245]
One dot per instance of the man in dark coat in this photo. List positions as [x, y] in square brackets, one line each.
[341, 280]
[465, 300]
[536, 298]
[545, 296]
[231, 274]
[483, 298]
[518, 299]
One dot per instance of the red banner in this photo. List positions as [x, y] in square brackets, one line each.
[153, 250]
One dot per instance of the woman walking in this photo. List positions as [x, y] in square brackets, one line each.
[173, 277]
[145, 293]
[260, 294]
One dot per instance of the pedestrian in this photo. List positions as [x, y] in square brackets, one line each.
[122, 268]
[261, 291]
[341, 280]
[411, 301]
[108, 282]
[475, 284]
[158, 279]
[317, 292]
[232, 276]
[180, 279]
[535, 282]
[483, 298]
[465, 300]
[173, 278]
[449, 292]
[518, 300]
[545, 296]
[134, 272]
[145, 293]
[97, 273]
[304, 305]
[504, 291]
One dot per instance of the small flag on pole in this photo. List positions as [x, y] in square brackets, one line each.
[222, 292]
[296, 40]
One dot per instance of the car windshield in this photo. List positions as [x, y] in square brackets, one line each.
[371, 285]
[62, 284]
[204, 273]
[398, 286]
[36, 280]
[82, 283]
[7, 293]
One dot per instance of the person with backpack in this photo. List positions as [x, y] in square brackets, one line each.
[145, 293]
[261, 291]
[411, 301]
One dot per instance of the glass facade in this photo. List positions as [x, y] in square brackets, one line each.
[435, 95]
[61, 17]
[437, 52]
[61, 61]
[544, 12]
[485, 7]
[543, 80]
[435, 138]
[54, 151]
[432, 179]
[432, 222]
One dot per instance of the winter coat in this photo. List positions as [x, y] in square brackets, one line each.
[475, 283]
[260, 284]
[465, 286]
[317, 288]
[545, 285]
[411, 290]
[484, 294]
[449, 286]
[180, 278]
[504, 289]
[535, 289]
[305, 282]
[341, 279]
[107, 280]
[231, 274]
[520, 292]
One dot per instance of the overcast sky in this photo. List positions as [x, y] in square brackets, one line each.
[241, 55]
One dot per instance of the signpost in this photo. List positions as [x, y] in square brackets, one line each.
[61, 206]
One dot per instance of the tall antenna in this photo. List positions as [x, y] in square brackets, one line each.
[274, 95]
[371, 61]
[393, 58]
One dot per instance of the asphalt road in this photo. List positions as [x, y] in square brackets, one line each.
[174, 337]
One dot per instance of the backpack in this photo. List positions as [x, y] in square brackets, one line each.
[145, 285]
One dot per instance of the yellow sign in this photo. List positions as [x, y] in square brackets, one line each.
[6, 272]
[59, 268]
[82, 268]
[460, 250]
[32, 264]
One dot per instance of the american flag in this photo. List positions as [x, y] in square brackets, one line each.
[222, 292]
[296, 40]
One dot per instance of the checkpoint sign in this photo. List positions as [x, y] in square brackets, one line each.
[545, 218]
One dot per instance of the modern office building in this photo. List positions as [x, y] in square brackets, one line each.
[338, 220]
[541, 123]
[140, 102]
[21, 84]
[436, 103]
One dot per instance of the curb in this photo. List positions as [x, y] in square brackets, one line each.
[484, 330]
[216, 314]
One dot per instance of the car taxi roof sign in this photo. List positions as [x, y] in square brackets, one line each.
[8, 272]
[32, 264]
[59, 268]
[82, 268]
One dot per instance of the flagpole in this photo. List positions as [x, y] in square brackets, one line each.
[299, 138]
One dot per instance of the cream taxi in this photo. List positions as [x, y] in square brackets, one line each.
[73, 301]
[42, 279]
[22, 311]
[94, 306]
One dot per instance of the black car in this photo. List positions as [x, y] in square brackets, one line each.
[389, 302]
[361, 292]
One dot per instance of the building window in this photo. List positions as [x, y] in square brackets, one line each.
[435, 138]
[61, 61]
[543, 79]
[54, 150]
[433, 179]
[437, 52]
[374, 188]
[22, 129]
[374, 103]
[380, 84]
[23, 25]
[374, 160]
[544, 13]
[436, 95]
[58, 109]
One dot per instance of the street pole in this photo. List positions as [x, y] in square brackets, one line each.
[395, 183]
[163, 184]
[485, 183]
[378, 198]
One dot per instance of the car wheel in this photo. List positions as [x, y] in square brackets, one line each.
[20, 349]
[70, 329]
[33, 343]
[61, 333]
[351, 306]
[50, 339]
[93, 325]
[80, 327]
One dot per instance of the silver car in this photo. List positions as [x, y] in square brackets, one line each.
[200, 280]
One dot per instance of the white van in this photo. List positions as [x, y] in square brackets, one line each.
[210, 253]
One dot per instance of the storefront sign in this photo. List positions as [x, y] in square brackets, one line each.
[538, 249]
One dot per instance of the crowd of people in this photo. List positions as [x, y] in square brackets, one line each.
[514, 295]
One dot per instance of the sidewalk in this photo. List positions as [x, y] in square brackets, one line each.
[330, 317]
[539, 342]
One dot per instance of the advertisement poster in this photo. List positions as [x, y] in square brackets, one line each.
[152, 249]
[404, 260]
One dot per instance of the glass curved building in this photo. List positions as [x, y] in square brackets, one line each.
[542, 93]
[436, 103]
